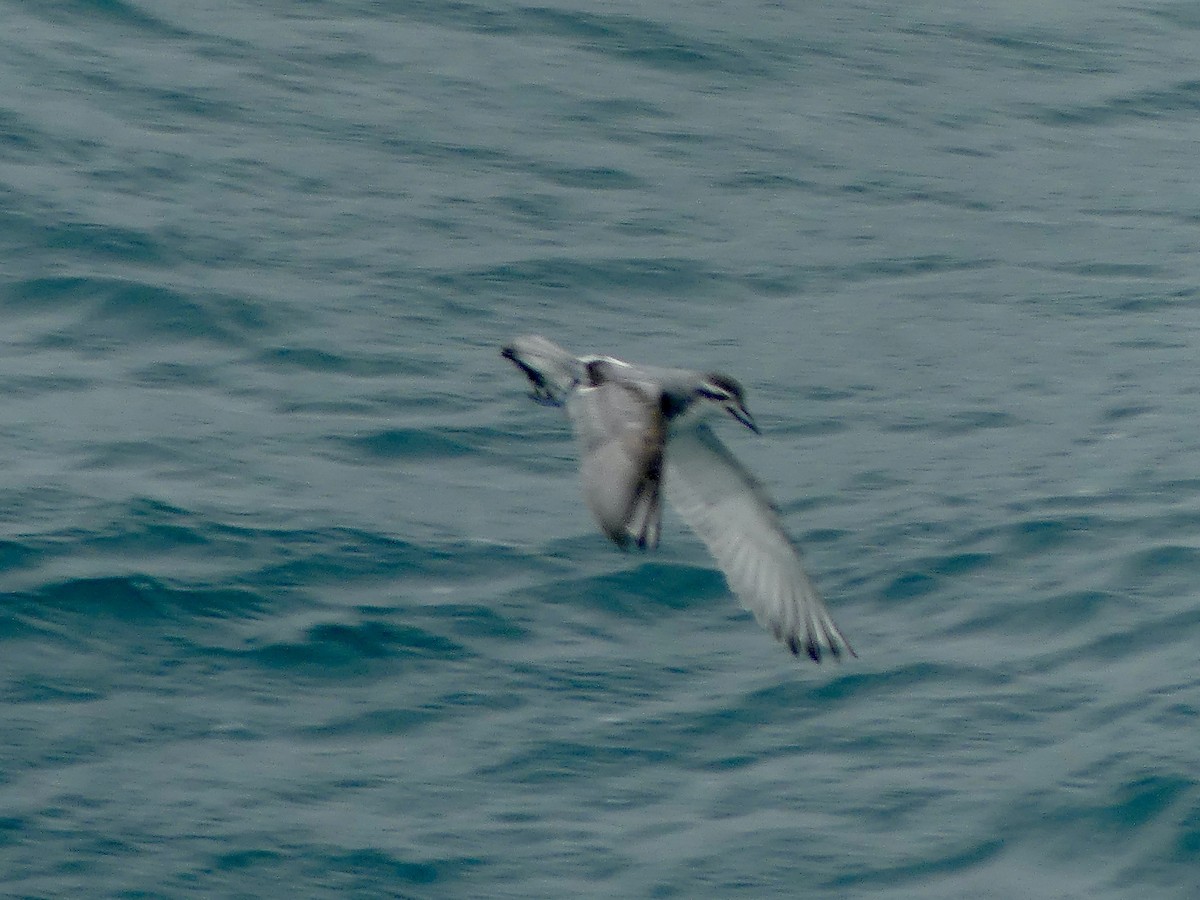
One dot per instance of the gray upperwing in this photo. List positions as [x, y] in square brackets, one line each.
[621, 434]
[729, 511]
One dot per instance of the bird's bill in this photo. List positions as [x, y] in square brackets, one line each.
[742, 415]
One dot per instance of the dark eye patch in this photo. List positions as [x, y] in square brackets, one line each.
[723, 383]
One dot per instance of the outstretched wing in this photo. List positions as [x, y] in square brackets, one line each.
[728, 510]
[621, 434]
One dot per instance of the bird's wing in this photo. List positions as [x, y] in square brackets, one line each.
[621, 435]
[552, 371]
[728, 510]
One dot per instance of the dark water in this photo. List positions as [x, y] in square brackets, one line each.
[299, 597]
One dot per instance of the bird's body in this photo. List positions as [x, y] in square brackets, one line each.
[640, 428]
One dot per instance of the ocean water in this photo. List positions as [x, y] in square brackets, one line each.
[299, 597]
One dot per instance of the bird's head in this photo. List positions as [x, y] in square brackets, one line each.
[726, 394]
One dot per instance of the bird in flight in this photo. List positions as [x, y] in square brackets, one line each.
[641, 428]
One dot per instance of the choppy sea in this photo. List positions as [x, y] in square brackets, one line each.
[298, 596]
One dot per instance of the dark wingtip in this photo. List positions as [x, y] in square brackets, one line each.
[618, 537]
[542, 393]
[811, 648]
[814, 650]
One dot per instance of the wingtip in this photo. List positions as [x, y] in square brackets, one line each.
[810, 647]
[620, 538]
[813, 649]
[816, 651]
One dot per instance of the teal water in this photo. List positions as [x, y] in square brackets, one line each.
[299, 597]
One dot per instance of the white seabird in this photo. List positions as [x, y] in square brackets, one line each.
[641, 427]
